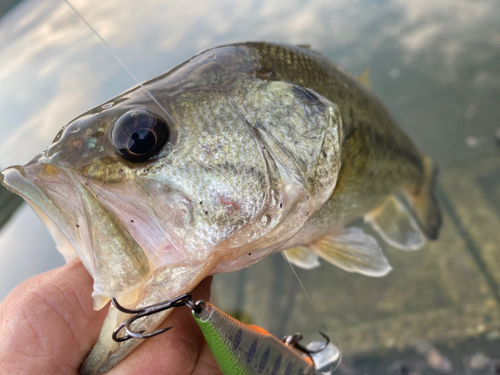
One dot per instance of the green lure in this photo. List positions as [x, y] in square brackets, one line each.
[247, 350]
[240, 349]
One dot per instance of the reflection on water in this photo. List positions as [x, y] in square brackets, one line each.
[435, 64]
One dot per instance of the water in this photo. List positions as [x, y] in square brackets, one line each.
[435, 65]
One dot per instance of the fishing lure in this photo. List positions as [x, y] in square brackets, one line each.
[239, 349]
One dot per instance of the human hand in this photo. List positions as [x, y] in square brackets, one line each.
[48, 326]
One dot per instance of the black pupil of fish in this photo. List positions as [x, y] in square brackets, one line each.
[142, 142]
[139, 135]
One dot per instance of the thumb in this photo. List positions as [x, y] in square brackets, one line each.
[47, 323]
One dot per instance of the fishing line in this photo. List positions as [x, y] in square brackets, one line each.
[124, 66]
[339, 346]
[120, 61]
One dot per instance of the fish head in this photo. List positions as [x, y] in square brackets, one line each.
[129, 191]
[192, 173]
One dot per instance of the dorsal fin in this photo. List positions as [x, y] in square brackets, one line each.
[309, 48]
[364, 78]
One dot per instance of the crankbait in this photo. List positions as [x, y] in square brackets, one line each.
[239, 349]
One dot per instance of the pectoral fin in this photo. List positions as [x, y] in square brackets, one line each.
[353, 251]
[396, 225]
[302, 257]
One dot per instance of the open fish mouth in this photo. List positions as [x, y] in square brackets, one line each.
[81, 226]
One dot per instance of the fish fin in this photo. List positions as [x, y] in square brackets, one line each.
[302, 257]
[364, 78]
[424, 202]
[165, 283]
[309, 48]
[396, 225]
[99, 301]
[354, 251]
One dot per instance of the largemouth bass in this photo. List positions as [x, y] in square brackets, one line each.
[239, 152]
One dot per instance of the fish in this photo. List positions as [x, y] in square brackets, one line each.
[241, 151]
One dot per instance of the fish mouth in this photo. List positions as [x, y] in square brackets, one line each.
[81, 225]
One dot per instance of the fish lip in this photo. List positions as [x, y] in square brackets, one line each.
[62, 202]
[26, 182]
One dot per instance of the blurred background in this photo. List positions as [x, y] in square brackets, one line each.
[434, 64]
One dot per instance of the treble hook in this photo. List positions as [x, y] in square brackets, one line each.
[293, 340]
[182, 300]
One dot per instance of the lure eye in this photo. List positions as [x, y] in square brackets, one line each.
[139, 135]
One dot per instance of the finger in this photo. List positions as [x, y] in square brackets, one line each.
[49, 316]
[206, 363]
[176, 351]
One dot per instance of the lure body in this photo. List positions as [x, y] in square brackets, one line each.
[248, 350]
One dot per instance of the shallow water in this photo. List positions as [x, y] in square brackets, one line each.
[435, 65]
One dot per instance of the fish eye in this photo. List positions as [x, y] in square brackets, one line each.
[139, 135]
